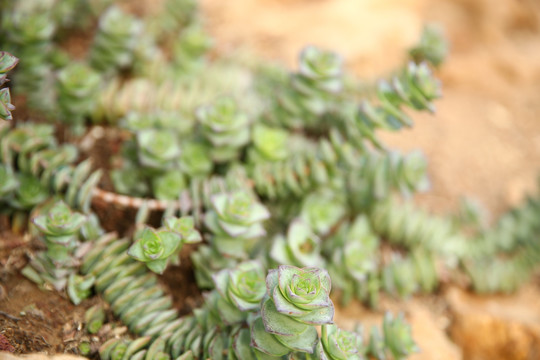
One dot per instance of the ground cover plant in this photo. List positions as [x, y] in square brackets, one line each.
[281, 173]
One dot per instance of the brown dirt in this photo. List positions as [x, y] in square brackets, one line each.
[34, 319]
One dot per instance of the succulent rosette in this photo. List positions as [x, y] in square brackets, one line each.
[157, 148]
[236, 217]
[338, 344]
[185, 226]
[60, 221]
[241, 288]
[301, 247]
[115, 41]
[60, 225]
[297, 299]
[322, 210]
[225, 127]
[354, 253]
[29, 193]
[319, 68]
[155, 247]
[269, 144]
[78, 87]
[195, 160]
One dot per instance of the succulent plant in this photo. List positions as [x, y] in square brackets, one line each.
[269, 144]
[207, 261]
[157, 149]
[225, 127]
[185, 226]
[312, 90]
[29, 193]
[115, 40]
[414, 87]
[397, 336]
[59, 228]
[384, 174]
[195, 160]
[432, 47]
[297, 299]
[311, 154]
[354, 257]
[336, 344]
[242, 289]
[235, 219]
[190, 47]
[322, 210]
[130, 180]
[94, 318]
[78, 87]
[301, 247]
[155, 247]
[29, 29]
[79, 287]
[8, 182]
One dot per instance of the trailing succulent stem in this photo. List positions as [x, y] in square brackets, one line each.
[59, 229]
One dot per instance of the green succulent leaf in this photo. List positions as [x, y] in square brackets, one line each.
[316, 63]
[157, 148]
[185, 226]
[338, 344]
[78, 87]
[79, 287]
[154, 247]
[8, 181]
[195, 159]
[236, 215]
[301, 293]
[322, 210]
[29, 193]
[301, 247]
[266, 342]
[242, 286]
[7, 62]
[60, 221]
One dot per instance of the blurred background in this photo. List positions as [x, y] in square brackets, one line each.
[484, 140]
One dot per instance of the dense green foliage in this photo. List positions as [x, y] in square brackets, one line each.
[281, 175]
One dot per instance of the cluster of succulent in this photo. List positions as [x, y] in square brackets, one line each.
[279, 174]
[156, 247]
[61, 231]
[251, 314]
[61, 84]
[34, 167]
